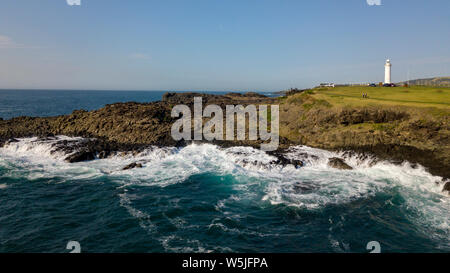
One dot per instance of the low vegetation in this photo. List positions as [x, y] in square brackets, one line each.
[410, 123]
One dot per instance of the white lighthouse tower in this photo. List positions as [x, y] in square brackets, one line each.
[387, 71]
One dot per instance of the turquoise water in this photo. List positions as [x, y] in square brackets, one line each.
[203, 198]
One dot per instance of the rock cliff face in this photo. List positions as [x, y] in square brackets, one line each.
[388, 132]
[446, 188]
[338, 163]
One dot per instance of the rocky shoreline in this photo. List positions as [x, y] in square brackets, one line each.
[132, 127]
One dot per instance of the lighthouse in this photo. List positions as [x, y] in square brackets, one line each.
[387, 71]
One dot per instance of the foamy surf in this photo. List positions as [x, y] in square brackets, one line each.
[313, 187]
[38, 149]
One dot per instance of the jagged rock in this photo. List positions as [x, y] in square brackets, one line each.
[132, 166]
[357, 116]
[80, 156]
[247, 94]
[364, 156]
[12, 140]
[103, 154]
[166, 96]
[296, 163]
[338, 163]
[284, 161]
[78, 112]
[46, 137]
[446, 188]
[293, 91]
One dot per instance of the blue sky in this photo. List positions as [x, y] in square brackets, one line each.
[263, 45]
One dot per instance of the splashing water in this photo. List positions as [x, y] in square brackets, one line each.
[203, 198]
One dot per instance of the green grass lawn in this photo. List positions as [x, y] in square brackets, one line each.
[419, 96]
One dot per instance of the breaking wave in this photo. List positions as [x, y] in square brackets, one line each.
[257, 179]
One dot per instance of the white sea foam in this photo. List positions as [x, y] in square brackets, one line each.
[37, 149]
[143, 218]
[33, 158]
[311, 187]
[194, 246]
[3, 186]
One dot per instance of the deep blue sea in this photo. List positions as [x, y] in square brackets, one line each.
[39, 103]
[203, 198]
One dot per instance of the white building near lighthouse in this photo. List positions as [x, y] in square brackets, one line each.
[387, 71]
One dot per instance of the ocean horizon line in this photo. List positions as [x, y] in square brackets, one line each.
[132, 90]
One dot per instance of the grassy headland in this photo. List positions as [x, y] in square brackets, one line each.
[399, 123]
[420, 96]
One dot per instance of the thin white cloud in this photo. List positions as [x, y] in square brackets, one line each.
[140, 56]
[7, 42]
[73, 2]
[374, 2]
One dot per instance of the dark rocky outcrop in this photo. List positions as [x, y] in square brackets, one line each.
[103, 154]
[358, 116]
[338, 163]
[446, 187]
[5, 142]
[246, 95]
[132, 166]
[80, 156]
[284, 161]
[11, 140]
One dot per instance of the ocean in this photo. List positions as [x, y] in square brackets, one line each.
[47, 103]
[203, 198]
